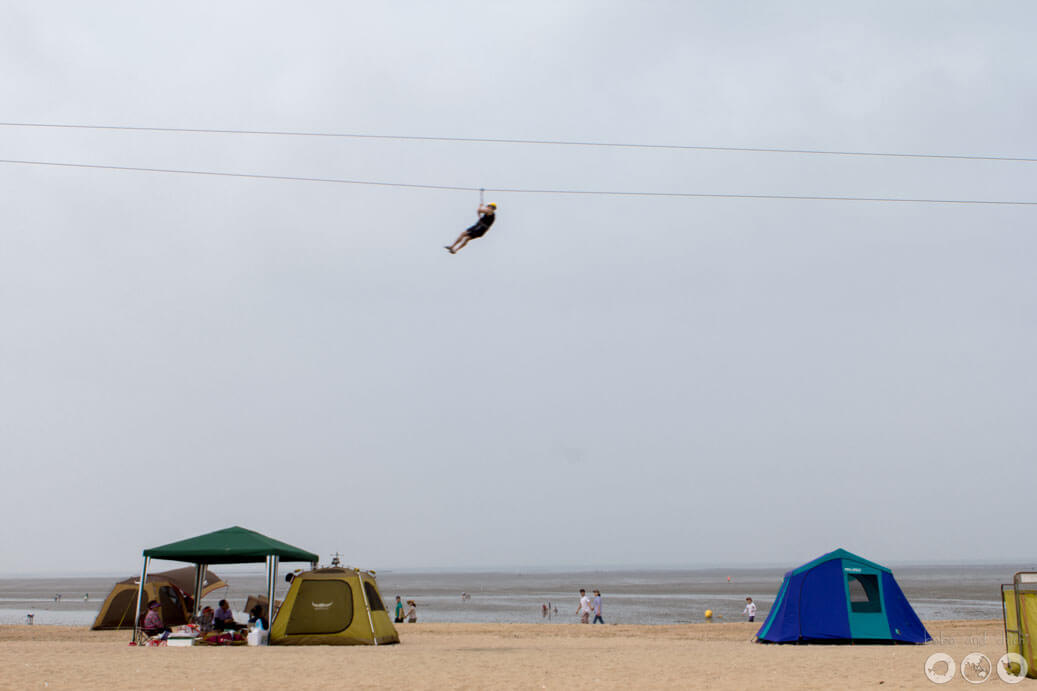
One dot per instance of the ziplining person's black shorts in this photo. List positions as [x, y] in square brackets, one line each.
[476, 231]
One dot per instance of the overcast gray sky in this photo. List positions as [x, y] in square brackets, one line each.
[600, 380]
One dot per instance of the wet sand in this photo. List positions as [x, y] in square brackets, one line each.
[474, 656]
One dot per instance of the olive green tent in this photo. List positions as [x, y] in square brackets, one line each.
[1019, 609]
[333, 606]
[235, 545]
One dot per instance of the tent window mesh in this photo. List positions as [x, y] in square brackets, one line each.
[864, 592]
[171, 595]
[372, 597]
[321, 607]
[172, 609]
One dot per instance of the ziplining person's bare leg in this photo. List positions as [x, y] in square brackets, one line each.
[460, 242]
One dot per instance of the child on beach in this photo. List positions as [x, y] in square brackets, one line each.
[255, 616]
[584, 608]
[204, 619]
[750, 608]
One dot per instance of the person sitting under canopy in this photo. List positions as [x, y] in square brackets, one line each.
[223, 618]
[153, 625]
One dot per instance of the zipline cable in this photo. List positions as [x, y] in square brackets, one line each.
[524, 190]
[257, 176]
[548, 142]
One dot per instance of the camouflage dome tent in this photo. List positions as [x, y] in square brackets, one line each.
[235, 545]
[170, 588]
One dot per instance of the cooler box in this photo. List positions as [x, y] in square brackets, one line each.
[181, 640]
[258, 637]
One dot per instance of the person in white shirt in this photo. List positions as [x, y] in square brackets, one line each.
[584, 608]
[750, 608]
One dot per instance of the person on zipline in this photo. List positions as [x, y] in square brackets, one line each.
[487, 213]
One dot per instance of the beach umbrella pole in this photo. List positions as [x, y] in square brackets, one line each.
[140, 597]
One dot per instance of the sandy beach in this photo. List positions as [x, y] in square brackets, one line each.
[433, 656]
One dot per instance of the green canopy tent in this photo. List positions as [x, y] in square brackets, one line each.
[235, 545]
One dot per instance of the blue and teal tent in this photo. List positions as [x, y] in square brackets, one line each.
[840, 597]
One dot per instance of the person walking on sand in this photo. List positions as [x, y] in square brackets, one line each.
[584, 608]
[596, 606]
[399, 610]
[750, 608]
[412, 613]
[487, 215]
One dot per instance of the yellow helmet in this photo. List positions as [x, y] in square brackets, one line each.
[492, 206]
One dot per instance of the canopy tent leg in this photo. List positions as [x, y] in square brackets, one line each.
[140, 597]
[271, 566]
[199, 571]
[367, 606]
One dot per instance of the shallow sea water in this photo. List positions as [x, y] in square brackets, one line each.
[629, 596]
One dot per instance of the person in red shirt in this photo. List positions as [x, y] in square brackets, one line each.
[153, 625]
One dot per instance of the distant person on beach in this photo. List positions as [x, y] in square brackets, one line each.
[584, 608]
[543, 610]
[750, 608]
[412, 613]
[399, 610]
[596, 606]
[153, 625]
[487, 214]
